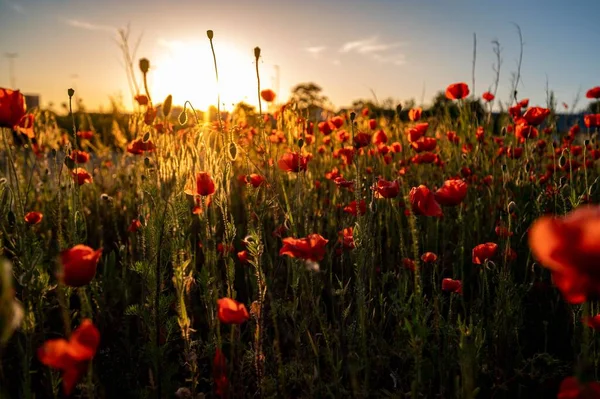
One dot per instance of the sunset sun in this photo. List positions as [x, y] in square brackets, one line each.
[186, 71]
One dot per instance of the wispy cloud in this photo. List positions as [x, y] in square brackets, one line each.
[375, 49]
[315, 50]
[76, 23]
[16, 7]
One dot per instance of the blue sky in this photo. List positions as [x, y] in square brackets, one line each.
[396, 48]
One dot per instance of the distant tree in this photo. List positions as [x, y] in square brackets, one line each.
[244, 112]
[441, 105]
[307, 95]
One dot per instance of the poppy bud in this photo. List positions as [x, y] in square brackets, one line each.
[71, 92]
[167, 104]
[210, 34]
[512, 207]
[562, 161]
[147, 162]
[352, 116]
[182, 117]
[399, 108]
[232, 151]
[586, 142]
[257, 52]
[300, 143]
[144, 65]
[504, 167]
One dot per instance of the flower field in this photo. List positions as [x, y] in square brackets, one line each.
[448, 253]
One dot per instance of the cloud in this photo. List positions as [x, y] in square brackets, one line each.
[375, 49]
[315, 50]
[16, 7]
[90, 26]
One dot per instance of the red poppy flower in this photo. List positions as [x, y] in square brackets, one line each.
[243, 256]
[134, 226]
[310, 248]
[591, 120]
[33, 218]
[149, 116]
[204, 184]
[372, 124]
[82, 176]
[325, 128]
[423, 202]
[452, 193]
[418, 131]
[524, 103]
[570, 247]
[592, 322]
[12, 107]
[219, 372]
[380, 137]
[141, 99]
[346, 238]
[536, 115]
[449, 285]
[424, 144]
[362, 139]
[386, 189]
[341, 182]
[408, 264]
[487, 96]
[139, 146]
[86, 134]
[230, 311]
[483, 252]
[396, 147]
[457, 91]
[293, 162]
[255, 180]
[80, 156]
[71, 357]
[79, 265]
[429, 257]
[415, 114]
[268, 95]
[25, 126]
[337, 121]
[452, 137]
[352, 209]
[425, 157]
[594, 92]
[572, 388]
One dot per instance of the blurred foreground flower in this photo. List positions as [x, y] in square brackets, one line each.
[570, 247]
[72, 356]
[12, 107]
[11, 311]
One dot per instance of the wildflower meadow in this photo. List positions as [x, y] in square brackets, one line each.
[292, 251]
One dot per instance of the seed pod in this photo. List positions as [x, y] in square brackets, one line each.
[210, 34]
[167, 104]
[144, 65]
[182, 117]
[232, 151]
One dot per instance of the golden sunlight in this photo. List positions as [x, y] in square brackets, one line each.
[186, 70]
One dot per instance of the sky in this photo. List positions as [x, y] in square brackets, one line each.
[369, 49]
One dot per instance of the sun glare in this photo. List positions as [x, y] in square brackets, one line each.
[186, 71]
